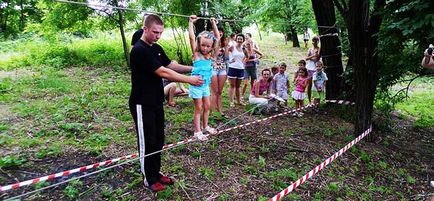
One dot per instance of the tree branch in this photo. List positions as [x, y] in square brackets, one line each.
[406, 88]
[109, 15]
[344, 5]
[376, 19]
[340, 8]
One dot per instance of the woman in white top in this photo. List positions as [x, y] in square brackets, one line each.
[237, 55]
[313, 56]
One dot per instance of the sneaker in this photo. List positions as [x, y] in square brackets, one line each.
[156, 187]
[200, 136]
[166, 180]
[210, 130]
[294, 114]
[300, 114]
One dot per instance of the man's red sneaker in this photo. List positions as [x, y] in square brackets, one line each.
[156, 187]
[166, 180]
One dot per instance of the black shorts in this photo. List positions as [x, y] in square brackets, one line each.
[235, 73]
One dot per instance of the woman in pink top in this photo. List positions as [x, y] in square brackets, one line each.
[257, 95]
[300, 86]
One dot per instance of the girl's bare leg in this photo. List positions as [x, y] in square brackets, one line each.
[197, 113]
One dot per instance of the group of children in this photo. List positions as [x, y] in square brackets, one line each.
[280, 84]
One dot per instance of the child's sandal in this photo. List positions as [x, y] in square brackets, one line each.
[200, 136]
[210, 130]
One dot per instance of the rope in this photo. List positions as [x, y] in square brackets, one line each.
[87, 175]
[330, 27]
[166, 13]
[233, 119]
[329, 34]
[178, 144]
[137, 10]
[166, 147]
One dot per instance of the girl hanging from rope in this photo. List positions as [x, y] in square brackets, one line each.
[203, 47]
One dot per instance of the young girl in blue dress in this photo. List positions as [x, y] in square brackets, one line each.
[203, 47]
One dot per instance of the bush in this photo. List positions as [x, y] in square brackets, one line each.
[96, 52]
[102, 50]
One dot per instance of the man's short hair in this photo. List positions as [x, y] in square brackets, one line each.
[153, 19]
[249, 34]
[144, 17]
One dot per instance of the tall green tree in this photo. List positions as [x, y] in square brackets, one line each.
[363, 21]
[117, 18]
[405, 34]
[387, 40]
[16, 14]
[288, 17]
[63, 17]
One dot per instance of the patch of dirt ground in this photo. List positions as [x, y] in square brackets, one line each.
[258, 161]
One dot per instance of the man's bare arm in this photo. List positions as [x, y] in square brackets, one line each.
[179, 68]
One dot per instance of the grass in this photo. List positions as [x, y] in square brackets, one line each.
[420, 103]
[67, 105]
[84, 110]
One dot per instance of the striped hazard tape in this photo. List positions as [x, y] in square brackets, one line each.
[111, 161]
[321, 166]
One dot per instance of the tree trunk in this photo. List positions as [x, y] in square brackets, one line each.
[259, 31]
[124, 40]
[331, 55]
[5, 20]
[363, 32]
[2, 22]
[294, 37]
[21, 16]
[286, 36]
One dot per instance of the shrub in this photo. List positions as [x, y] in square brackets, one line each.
[100, 50]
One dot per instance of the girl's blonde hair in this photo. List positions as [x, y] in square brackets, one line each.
[209, 35]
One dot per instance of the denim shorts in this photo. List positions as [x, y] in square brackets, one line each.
[250, 72]
[219, 72]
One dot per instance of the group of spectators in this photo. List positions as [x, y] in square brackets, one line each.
[275, 83]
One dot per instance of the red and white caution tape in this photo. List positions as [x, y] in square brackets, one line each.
[65, 173]
[108, 162]
[307, 176]
[340, 102]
